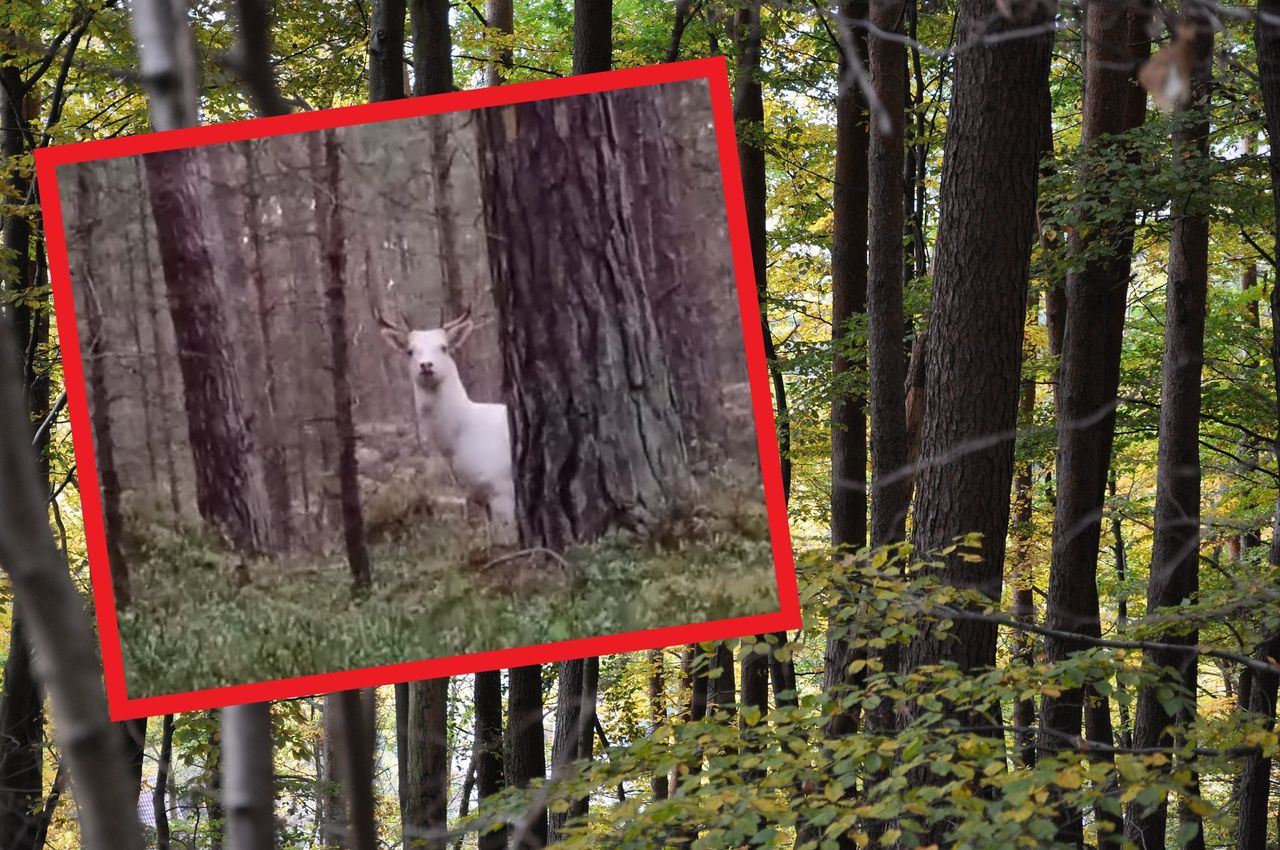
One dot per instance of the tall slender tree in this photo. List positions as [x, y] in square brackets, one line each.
[1254, 786]
[1175, 546]
[986, 228]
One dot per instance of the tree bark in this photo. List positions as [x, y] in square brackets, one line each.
[355, 735]
[849, 299]
[488, 748]
[160, 794]
[501, 17]
[330, 224]
[886, 328]
[386, 51]
[426, 800]
[1175, 547]
[525, 745]
[229, 488]
[21, 739]
[748, 109]
[1254, 786]
[1089, 377]
[660, 785]
[600, 445]
[592, 36]
[985, 231]
[247, 774]
[432, 47]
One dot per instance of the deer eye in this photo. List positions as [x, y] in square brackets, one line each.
[444, 349]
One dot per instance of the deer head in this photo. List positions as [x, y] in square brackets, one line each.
[429, 352]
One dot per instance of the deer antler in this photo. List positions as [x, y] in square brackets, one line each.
[457, 320]
[402, 327]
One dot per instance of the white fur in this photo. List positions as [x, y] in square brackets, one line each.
[473, 436]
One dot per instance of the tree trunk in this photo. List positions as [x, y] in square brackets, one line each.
[21, 740]
[849, 301]
[355, 735]
[160, 794]
[329, 221]
[247, 774]
[592, 35]
[660, 785]
[611, 453]
[1175, 546]
[488, 748]
[426, 801]
[501, 17]
[432, 47]
[1254, 787]
[890, 479]
[229, 487]
[1089, 376]
[275, 465]
[386, 51]
[570, 723]
[525, 746]
[100, 408]
[985, 231]
[748, 109]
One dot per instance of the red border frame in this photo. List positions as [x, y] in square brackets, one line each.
[714, 70]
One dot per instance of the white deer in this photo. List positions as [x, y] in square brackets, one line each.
[473, 436]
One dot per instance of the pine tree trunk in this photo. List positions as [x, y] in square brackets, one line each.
[330, 223]
[160, 794]
[886, 328]
[660, 785]
[986, 228]
[610, 454]
[21, 739]
[229, 487]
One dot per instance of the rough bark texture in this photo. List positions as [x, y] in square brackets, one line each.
[488, 747]
[748, 109]
[432, 47]
[985, 232]
[596, 438]
[1175, 547]
[247, 772]
[571, 721]
[500, 16]
[426, 798]
[355, 734]
[525, 750]
[329, 220]
[1089, 374]
[890, 481]
[660, 785]
[592, 35]
[100, 418]
[21, 734]
[848, 302]
[229, 488]
[386, 50]
[1254, 788]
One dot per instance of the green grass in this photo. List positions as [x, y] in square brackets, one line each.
[191, 627]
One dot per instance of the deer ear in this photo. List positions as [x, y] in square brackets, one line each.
[457, 334]
[398, 340]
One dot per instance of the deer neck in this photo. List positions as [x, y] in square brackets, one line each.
[443, 405]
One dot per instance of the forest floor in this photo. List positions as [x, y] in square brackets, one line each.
[194, 625]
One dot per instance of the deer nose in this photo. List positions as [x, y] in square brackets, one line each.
[427, 369]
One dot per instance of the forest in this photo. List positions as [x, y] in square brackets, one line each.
[1016, 268]
[301, 512]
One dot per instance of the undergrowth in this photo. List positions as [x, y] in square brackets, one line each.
[193, 626]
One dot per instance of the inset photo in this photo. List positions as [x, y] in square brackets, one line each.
[414, 389]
